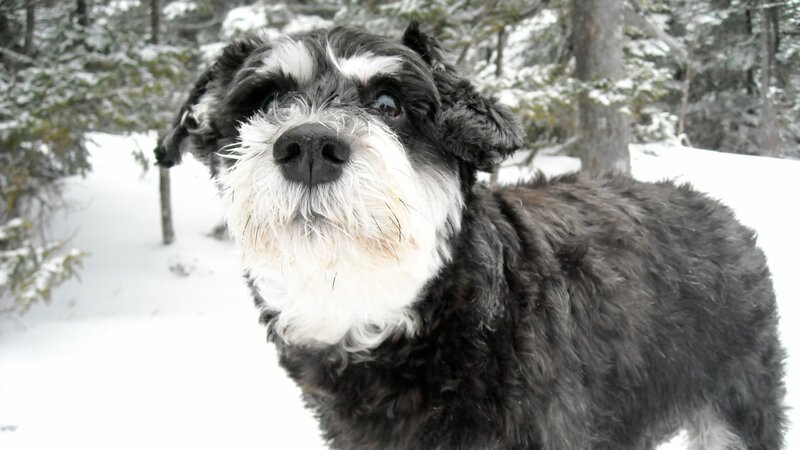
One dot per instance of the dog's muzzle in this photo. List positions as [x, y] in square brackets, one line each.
[311, 154]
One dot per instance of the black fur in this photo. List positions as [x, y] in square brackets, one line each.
[471, 125]
[575, 314]
[184, 135]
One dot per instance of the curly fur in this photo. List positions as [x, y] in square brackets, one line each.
[563, 313]
[577, 314]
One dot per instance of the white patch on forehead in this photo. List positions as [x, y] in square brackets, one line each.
[292, 58]
[365, 65]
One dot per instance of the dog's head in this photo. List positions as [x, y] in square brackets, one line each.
[351, 155]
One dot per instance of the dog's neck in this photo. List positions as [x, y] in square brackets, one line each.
[339, 291]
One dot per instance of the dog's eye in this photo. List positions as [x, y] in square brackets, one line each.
[386, 104]
[189, 122]
[267, 102]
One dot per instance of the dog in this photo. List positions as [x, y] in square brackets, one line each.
[420, 309]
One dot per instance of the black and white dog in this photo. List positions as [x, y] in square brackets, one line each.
[418, 309]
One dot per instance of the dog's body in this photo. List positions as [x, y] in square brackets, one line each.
[576, 314]
[420, 310]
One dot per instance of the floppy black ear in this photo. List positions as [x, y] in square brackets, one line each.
[194, 128]
[172, 145]
[473, 126]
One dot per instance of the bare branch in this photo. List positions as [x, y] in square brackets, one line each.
[16, 56]
[553, 149]
[635, 18]
[196, 26]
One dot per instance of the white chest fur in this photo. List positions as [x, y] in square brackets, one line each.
[343, 263]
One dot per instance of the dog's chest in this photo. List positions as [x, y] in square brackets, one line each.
[407, 397]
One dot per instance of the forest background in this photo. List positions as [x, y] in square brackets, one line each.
[713, 74]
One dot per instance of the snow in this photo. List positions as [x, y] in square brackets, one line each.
[159, 347]
[14, 223]
[302, 23]
[115, 6]
[177, 9]
[243, 19]
[209, 52]
[134, 356]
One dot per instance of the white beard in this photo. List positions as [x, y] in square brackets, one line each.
[342, 262]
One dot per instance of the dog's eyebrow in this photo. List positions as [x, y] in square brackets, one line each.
[365, 66]
[291, 58]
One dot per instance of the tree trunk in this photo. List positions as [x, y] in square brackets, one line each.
[598, 38]
[165, 191]
[501, 43]
[769, 137]
[155, 21]
[30, 24]
[82, 11]
[750, 80]
[687, 88]
[167, 230]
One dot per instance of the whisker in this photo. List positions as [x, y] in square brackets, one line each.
[396, 222]
[377, 225]
[246, 224]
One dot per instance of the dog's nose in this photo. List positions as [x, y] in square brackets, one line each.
[311, 154]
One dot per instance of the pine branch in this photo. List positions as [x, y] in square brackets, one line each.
[18, 57]
[635, 18]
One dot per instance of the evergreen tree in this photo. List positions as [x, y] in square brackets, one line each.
[726, 89]
[722, 74]
[85, 70]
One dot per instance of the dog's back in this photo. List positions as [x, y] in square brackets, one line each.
[658, 307]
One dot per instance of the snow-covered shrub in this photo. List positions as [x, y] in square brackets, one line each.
[272, 19]
[29, 271]
[105, 77]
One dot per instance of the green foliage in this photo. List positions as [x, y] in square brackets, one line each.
[537, 80]
[720, 37]
[91, 80]
[102, 78]
[106, 77]
[723, 39]
[29, 272]
[536, 76]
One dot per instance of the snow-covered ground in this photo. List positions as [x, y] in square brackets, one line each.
[159, 347]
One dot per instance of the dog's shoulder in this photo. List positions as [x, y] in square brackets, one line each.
[610, 194]
[613, 211]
